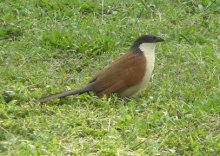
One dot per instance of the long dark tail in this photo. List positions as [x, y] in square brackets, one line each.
[65, 93]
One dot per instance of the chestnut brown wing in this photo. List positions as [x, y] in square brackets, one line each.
[128, 70]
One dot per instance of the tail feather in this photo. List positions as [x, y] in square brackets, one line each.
[65, 93]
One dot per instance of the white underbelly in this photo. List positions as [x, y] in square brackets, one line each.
[135, 89]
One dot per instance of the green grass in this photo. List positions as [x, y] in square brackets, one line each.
[50, 46]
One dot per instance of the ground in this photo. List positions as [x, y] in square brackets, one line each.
[50, 46]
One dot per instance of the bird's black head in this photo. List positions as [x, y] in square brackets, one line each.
[148, 39]
[145, 39]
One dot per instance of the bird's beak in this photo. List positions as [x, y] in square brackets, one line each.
[159, 39]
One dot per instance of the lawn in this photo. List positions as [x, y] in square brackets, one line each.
[51, 46]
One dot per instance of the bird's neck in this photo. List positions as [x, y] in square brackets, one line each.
[148, 49]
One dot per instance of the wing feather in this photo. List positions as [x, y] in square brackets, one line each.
[126, 71]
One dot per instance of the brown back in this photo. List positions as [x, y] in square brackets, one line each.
[128, 70]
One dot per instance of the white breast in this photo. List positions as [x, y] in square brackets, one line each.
[149, 52]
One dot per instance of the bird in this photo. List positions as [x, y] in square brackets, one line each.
[125, 76]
